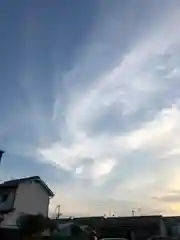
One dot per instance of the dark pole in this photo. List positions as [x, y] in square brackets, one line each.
[1, 153]
[133, 213]
[58, 213]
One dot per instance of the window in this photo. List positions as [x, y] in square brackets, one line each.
[3, 197]
[6, 201]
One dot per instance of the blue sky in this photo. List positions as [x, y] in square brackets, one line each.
[90, 101]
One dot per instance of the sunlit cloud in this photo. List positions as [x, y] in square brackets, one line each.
[148, 70]
[113, 119]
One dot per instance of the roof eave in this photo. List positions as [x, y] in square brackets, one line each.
[50, 192]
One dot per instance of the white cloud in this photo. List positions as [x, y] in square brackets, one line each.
[129, 83]
[161, 132]
[129, 86]
[157, 138]
[126, 88]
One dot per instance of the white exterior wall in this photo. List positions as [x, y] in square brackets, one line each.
[30, 198]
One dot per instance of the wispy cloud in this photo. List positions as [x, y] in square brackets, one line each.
[142, 81]
[113, 123]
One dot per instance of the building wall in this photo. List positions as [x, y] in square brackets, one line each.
[30, 198]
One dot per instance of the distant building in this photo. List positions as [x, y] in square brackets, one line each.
[134, 227]
[26, 195]
[173, 226]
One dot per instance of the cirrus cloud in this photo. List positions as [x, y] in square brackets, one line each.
[113, 126]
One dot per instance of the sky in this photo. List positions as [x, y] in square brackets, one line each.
[90, 102]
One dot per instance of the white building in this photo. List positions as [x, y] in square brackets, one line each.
[26, 195]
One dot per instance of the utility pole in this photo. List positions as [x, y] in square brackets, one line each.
[58, 211]
[133, 213]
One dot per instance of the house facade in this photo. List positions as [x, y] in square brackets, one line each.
[23, 196]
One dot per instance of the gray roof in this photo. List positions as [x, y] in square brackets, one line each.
[15, 183]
